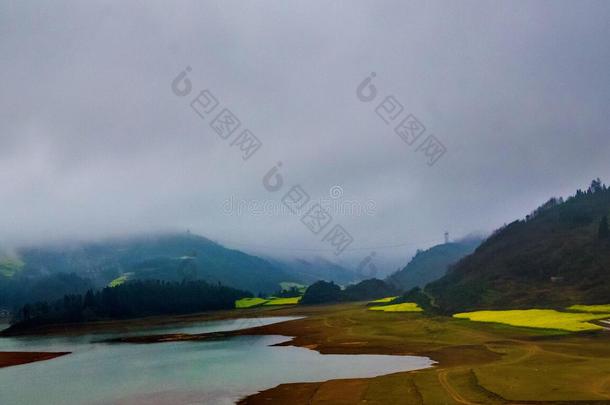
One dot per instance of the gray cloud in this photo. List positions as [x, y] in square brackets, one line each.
[93, 142]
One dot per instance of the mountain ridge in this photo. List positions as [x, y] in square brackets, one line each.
[431, 264]
[552, 258]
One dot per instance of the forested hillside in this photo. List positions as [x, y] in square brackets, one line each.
[557, 256]
[170, 257]
[431, 264]
[133, 299]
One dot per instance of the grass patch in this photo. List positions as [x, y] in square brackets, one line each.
[383, 300]
[250, 302]
[591, 308]
[119, 280]
[257, 302]
[283, 301]
[10, 267]
[404, 307]
[537, 318]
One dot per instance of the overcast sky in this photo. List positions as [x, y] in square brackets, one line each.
[94, 142]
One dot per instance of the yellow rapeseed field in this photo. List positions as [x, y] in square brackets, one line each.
[591, 308]
[383, 300]
[404, 307]
[538, 318]
[249, 302]
[283, 301]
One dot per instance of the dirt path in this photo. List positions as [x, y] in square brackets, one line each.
[442, 378]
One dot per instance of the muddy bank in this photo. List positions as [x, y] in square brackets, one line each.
[133, 324]
[8, 359]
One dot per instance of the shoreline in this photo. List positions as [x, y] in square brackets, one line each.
[475, 362]
[8, 359]
[132, 324]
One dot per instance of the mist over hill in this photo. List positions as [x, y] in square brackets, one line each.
[169, 257]
[431, 264]
[47, 272]
[310, 270]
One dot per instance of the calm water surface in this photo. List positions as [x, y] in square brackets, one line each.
[176, 373]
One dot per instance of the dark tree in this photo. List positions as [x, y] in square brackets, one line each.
[289, 293]
[603, 232]
[369, 290]
[89, 301]
[321, 292]
[132, 299]
[27, 312]
[596, 186]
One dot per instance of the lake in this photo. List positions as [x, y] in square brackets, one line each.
[177, 373]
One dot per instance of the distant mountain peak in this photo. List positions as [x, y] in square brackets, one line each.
[431, 264]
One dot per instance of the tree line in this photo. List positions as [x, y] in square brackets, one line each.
[322, 292]
[132, 299]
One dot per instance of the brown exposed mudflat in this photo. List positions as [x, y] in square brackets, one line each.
[8, 359]
[477, 363]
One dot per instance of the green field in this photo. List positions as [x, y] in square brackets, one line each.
[538, 318]
[383, 300]
[283, 301]
[256, 302]
[404, 307]
[10, 267]
[479, 363]
[591, 308]
[250, 302]
[119, 280]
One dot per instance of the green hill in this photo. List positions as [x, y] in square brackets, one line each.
[170, 257]
[431, 264]
[322, 292]
[557, 256]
